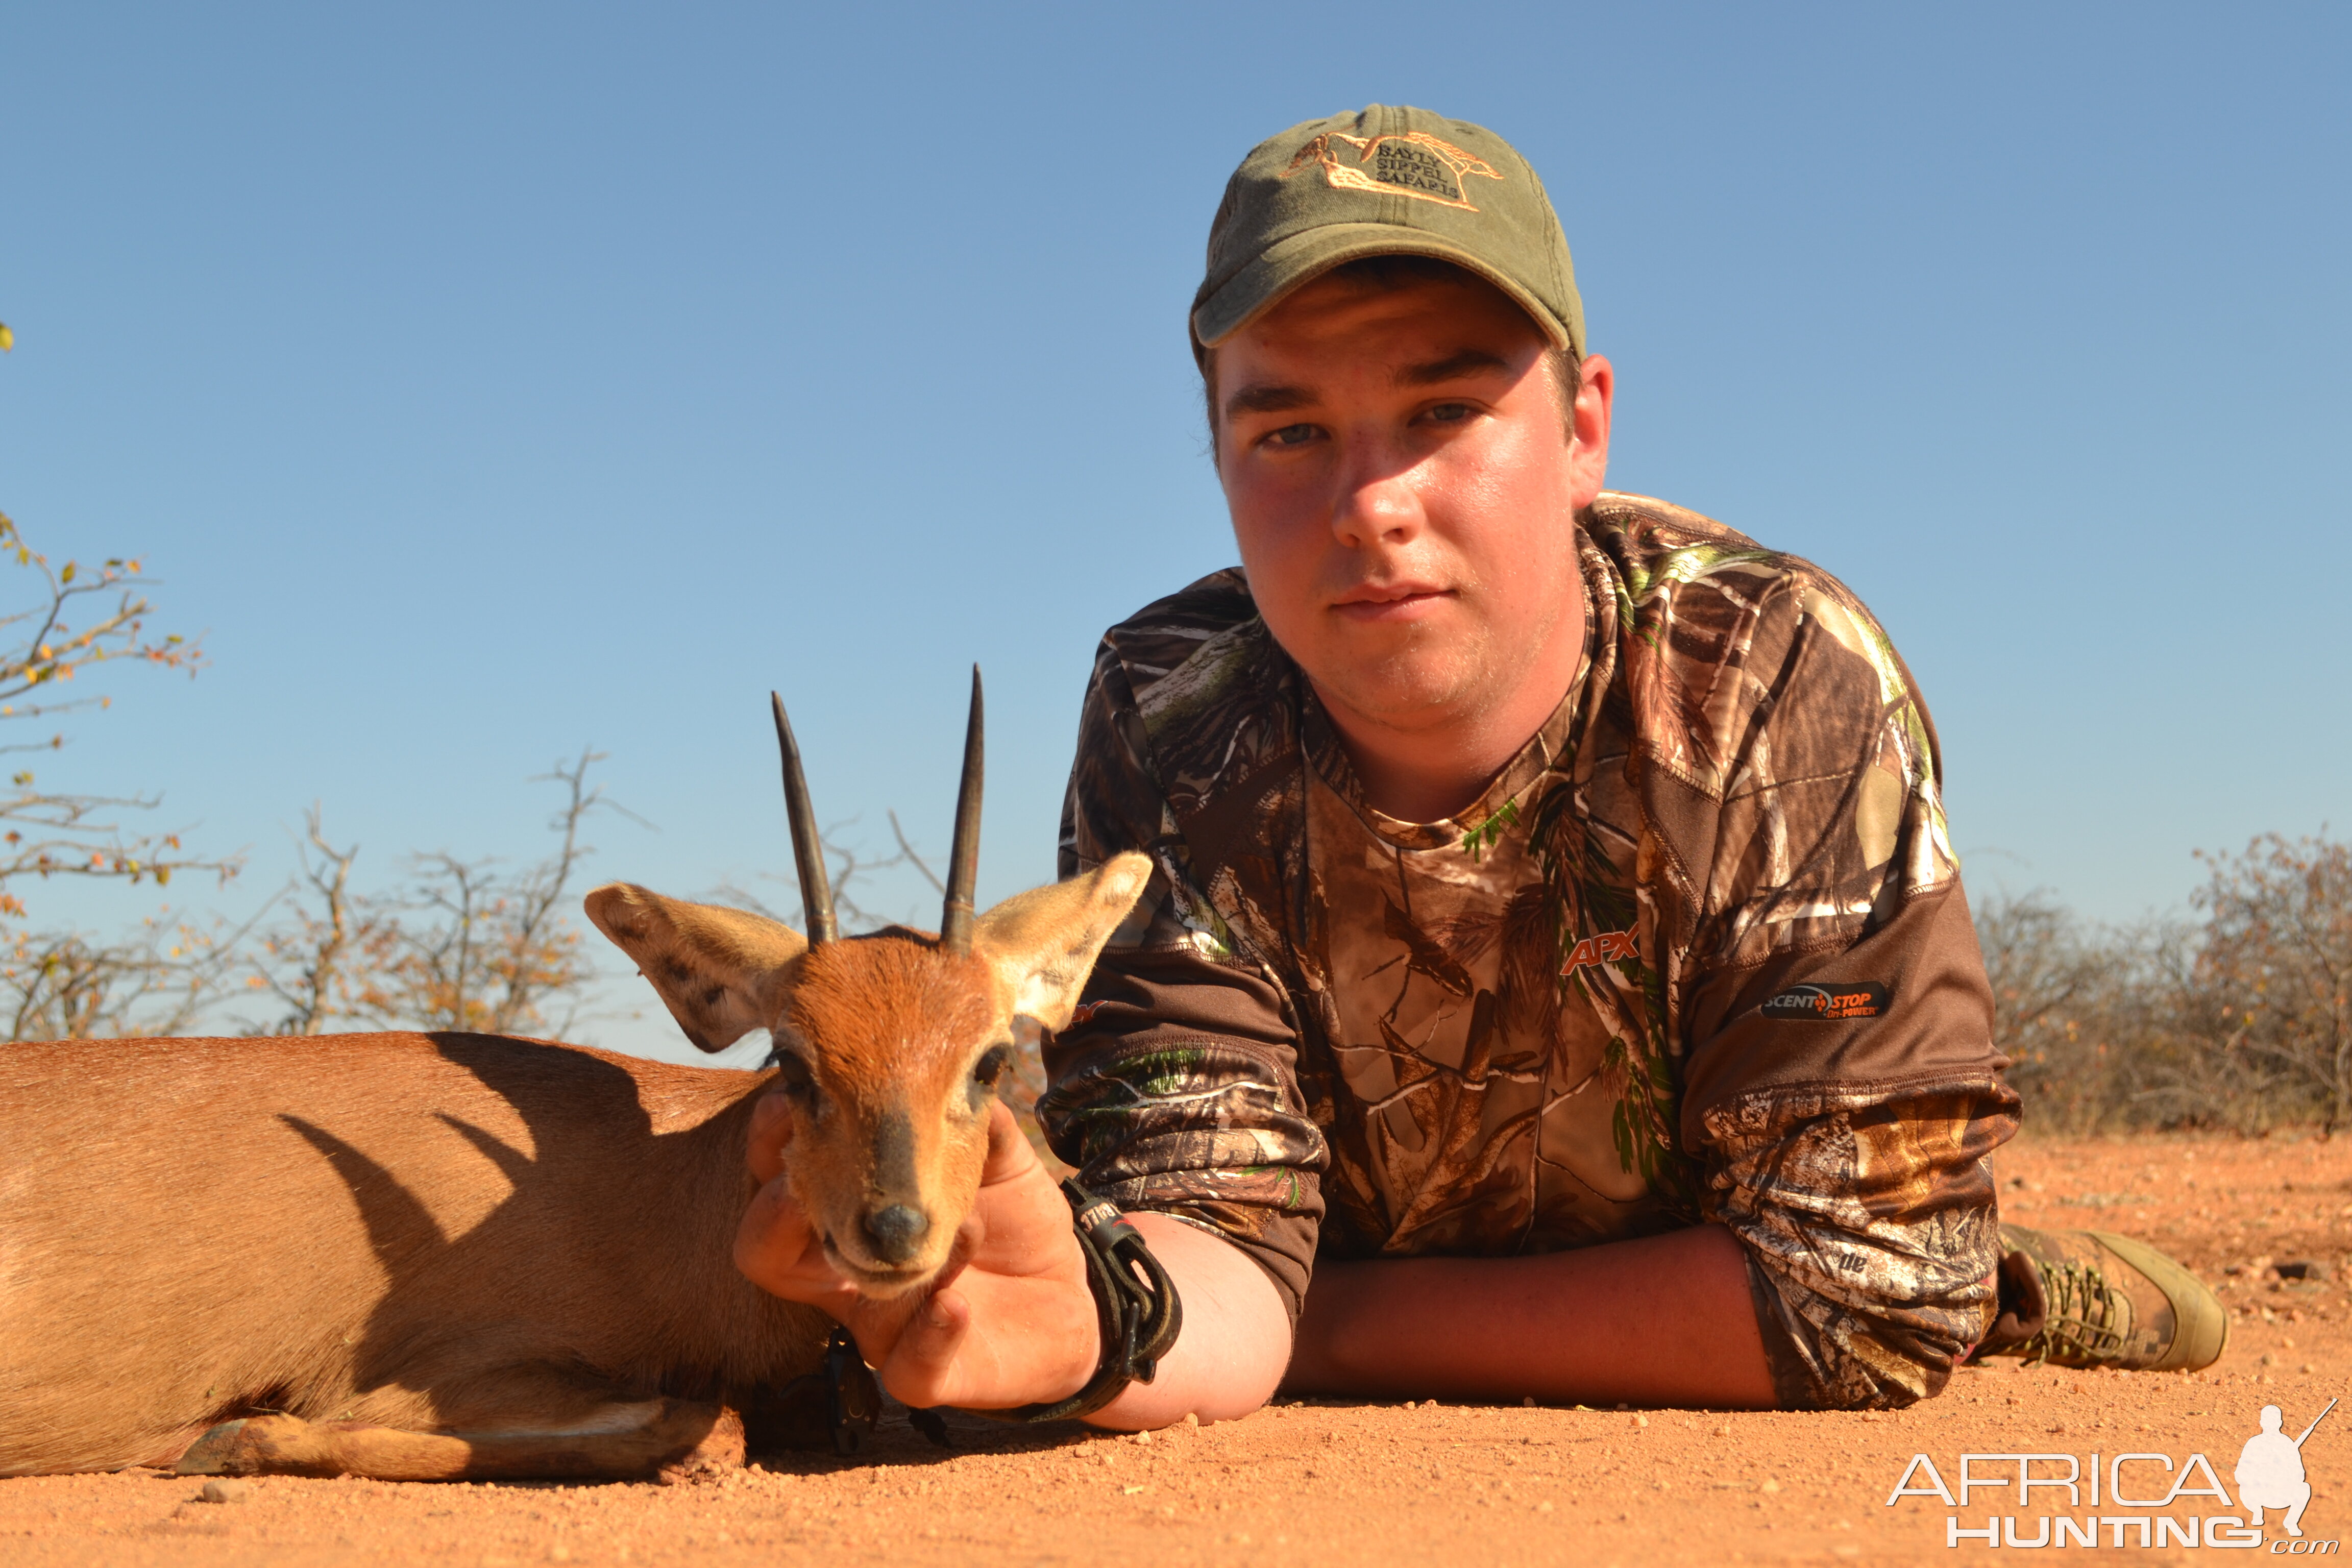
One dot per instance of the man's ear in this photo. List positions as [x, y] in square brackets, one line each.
[721, 972]
[1042, 943]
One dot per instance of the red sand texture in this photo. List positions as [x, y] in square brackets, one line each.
[1452, 1485]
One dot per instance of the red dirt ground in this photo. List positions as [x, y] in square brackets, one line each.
[1450, 1485]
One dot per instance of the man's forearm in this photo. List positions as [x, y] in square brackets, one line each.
[1229, 1358]
[1664, 1319]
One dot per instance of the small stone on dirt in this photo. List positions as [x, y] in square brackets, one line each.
[225, 1491]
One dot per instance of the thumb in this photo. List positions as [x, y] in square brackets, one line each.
[1009, 1153]
[920, 1368]
[771, 1135]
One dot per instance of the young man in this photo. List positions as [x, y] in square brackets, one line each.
[1557, 982]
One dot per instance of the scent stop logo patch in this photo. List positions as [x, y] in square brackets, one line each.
[1827, 1003]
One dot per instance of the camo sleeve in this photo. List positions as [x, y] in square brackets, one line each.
[1842, 1089]
[1175, 1087]
[1863, 1193]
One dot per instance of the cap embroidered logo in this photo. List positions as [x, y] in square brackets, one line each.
[1414, 165]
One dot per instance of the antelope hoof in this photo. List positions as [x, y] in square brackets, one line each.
[719, 1450]
[261, 1446]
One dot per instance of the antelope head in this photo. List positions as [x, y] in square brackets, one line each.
[888, 1046]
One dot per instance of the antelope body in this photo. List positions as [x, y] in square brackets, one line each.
[423, 1234]
[424, 1256]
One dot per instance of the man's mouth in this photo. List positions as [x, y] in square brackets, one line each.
[1376, 602]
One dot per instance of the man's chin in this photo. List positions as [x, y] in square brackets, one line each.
[1404, 695]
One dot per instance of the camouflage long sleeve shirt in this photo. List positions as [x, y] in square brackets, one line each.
[1700, 954]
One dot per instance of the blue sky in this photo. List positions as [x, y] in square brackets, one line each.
[484, 381]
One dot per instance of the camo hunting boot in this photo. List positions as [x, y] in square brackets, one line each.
[2090, 1298]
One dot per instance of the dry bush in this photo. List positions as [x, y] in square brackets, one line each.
[2239, 1022]
[65, 986]
[2275, 969]
[463, 944]
[59, 983]
[45, 834]
[2052, 997]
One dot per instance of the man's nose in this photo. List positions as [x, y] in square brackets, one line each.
[1377, 503]
[895, 1231]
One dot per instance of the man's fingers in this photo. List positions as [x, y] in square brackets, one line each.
[777, 1250]
[772, 1134]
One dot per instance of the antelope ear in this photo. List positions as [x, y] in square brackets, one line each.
[721, 972]
[1042, 943]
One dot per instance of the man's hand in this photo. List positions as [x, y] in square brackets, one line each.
[1010, 1320]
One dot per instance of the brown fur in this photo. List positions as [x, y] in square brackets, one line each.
[462, 1255]
[903, 1026]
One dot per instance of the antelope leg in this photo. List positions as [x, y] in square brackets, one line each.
[656, 1439]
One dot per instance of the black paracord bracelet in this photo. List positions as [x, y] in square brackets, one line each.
[1139, 1317]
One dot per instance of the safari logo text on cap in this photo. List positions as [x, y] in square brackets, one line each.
[1415, 164]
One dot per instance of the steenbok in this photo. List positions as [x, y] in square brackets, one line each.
[448, 1257]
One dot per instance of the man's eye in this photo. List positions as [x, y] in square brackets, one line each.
[1293, 435]
[1449, 413]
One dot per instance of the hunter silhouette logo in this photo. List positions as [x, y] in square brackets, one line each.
[1414, 165]
[2270, 1471]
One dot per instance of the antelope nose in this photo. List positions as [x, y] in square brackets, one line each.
[896, 1230]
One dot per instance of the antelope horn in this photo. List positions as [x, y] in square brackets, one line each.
[808, 849]
[963, 855]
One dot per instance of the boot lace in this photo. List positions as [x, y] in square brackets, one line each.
[2085, 1315]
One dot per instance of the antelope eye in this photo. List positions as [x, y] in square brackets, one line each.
[992, 1066]
[793, 1074]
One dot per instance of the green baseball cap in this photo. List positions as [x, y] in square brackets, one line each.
[1385, 181]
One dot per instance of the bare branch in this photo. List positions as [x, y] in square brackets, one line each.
[45, 834]
[846, 870]
[64, 985]
[464, 945]
[304, 967]
[907, 853]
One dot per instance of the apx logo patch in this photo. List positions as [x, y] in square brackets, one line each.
[1609, 947]
[1414, 165]
[1820, 1004]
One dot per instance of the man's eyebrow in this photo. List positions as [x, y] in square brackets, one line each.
[1452, 367]
[1267, 398]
